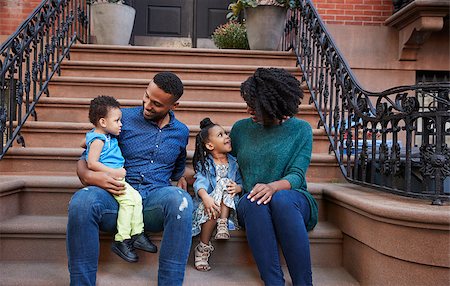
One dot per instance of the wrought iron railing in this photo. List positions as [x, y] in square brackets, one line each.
[399, 4]
[396, 140]
[31, 57]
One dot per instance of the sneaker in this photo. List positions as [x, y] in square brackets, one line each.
[142, 242]
[125, 250]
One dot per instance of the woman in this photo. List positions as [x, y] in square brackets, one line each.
[273, 149]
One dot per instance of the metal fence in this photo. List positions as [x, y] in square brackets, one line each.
[396, 140]
[31, 57]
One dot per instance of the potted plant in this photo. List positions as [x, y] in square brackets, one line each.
[112, 21]
[264, 20]
[231, 35]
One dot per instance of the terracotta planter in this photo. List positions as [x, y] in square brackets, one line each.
[265, 26]
[112, 23]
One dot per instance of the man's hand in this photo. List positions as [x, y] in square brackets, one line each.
[182, 183]
[118, 173]
[100, 179]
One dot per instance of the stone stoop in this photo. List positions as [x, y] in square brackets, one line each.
[140, 274]
[103, 53]
[62, 161]
[37, 182]
[32, 235]
[56, 109]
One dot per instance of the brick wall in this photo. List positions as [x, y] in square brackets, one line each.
[346, 12]
[354, 12]
[14, 12]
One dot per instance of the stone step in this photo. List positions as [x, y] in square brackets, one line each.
[50, 195]
[62, 161]
[134, 88]
[31, 238]
[130, 88]
[63, 109]
[176, 55]
[70, 134]
[41, 273]
[210, 72]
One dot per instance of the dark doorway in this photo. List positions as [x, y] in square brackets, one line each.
[191, 21]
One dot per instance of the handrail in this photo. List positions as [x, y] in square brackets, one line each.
[396, 140]
[31, 56]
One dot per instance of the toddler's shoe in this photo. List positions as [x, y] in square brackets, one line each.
[125, 250]
[142, 242]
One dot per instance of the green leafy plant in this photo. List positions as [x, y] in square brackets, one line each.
[231, 35]
[238, 5]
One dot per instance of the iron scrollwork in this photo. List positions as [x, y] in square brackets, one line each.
[31, 56]
[387, 136]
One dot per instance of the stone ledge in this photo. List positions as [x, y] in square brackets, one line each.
[415, 23]
[403, 229]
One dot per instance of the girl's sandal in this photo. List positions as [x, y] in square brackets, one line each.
[202, 253]
[222, 229]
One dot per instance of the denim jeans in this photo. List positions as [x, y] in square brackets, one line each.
[93, 209]
[283, 220]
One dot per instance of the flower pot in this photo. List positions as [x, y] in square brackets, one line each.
[112, 23]
[265, 25]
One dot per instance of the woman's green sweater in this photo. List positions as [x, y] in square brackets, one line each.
[267, 154]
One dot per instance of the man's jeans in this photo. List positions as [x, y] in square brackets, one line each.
[283, 220]
[93, 209]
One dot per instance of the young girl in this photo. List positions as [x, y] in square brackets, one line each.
[103, 155]
[217, 181]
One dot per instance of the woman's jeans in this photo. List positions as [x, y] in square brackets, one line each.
[283, 220]
[93, 209]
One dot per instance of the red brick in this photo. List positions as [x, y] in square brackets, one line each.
[345, 6]
[363, 18]
[353, 1]
[328, 17]
[335, 22]
[353, 12]
[363, 7]
[334, 12]
[373, 2]
[344, 18]
[326, 6]
[372, 13]
[379, 19]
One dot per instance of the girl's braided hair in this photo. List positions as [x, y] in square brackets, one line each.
[273, 93]
[201, 153]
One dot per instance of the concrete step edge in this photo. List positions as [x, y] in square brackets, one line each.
[164, 66]
[76, 152]
[179, 51]
[44, 273]
[23, 225]
[182, 104]
[87, 126]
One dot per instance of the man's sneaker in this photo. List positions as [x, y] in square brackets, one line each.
[142, 242]
[125, 250]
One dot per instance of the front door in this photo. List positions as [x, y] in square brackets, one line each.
[182, 20]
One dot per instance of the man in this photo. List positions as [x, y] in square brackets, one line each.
[153, 144]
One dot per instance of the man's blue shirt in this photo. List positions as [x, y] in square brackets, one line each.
[153, 156]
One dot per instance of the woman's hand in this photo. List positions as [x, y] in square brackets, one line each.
[262, 193]
[211, 208]
[233, 188]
